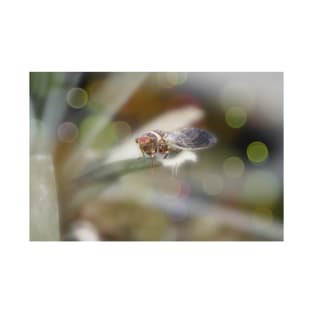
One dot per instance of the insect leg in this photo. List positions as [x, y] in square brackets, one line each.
[153, 151]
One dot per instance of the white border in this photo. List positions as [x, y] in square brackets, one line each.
[145, 36]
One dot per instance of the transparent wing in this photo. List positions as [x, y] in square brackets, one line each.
[190, 139]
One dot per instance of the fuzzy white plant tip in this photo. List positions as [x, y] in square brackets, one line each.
[178, 160]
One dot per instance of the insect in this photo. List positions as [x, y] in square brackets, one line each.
[160, 142]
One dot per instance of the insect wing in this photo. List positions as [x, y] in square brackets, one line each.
[190, 139]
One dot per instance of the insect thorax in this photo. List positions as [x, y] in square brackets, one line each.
[156, 134]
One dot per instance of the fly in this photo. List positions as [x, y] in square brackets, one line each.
[161, 142]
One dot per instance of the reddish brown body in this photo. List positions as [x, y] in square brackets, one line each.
[153, 142]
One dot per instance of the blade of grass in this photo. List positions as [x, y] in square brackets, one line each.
[44, 210]
[90, 184]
